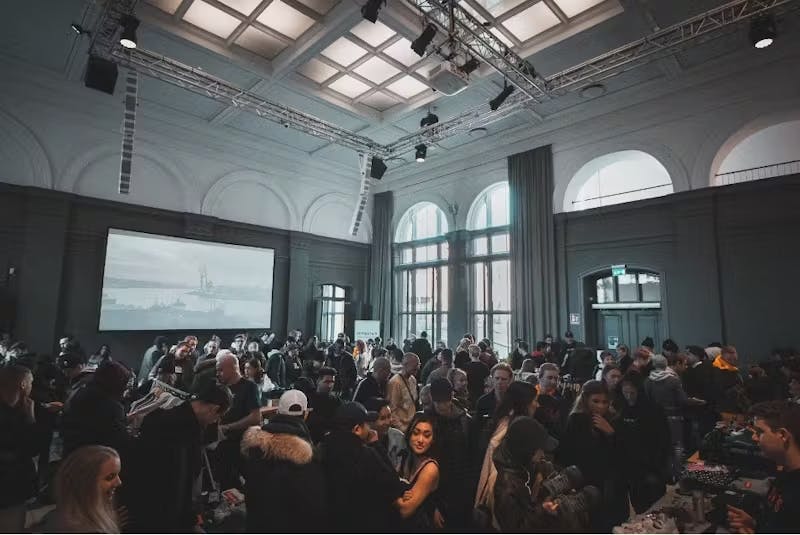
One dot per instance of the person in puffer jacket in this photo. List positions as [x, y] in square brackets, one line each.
[285, 489]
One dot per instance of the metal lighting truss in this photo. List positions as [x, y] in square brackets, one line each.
[709, 24]
[106, 45]
[667, 41]
[660, 43]
[464, 28]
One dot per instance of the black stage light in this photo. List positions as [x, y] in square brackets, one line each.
[762, 31]
[370, 10]
[128, 36]
[470, 66]
[497, 101]
[101, 74]
[421, 43]
[422, 151]
[378, 168]
[428, 120]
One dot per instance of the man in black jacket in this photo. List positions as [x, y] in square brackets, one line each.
[374, 384]
[285, 491]
[422, 348]
[362, 489]
[458, 474]
[345, 366]
[162, 468]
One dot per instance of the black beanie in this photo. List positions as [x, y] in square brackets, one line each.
[525, 435]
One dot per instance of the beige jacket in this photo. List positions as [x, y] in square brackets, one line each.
[402, 400]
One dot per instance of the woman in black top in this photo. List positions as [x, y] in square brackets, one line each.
[420, 470]
[590, 442]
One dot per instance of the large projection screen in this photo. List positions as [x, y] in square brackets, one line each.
[157, 283]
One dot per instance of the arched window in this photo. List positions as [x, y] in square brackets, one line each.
[422, 221]
[773, 151]
[619, 177]
[490, 267]
[421, 254]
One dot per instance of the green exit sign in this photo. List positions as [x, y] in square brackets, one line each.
[618, 270]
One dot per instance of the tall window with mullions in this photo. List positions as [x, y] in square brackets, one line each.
[421, 272]
[330, 311]
[490, 267]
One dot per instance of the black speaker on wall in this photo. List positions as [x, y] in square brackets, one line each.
[101, 74]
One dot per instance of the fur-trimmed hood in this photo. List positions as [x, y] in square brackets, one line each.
[287, 447]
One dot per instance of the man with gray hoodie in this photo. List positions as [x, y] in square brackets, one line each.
[664, 388]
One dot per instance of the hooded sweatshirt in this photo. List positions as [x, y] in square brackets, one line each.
[664, 388]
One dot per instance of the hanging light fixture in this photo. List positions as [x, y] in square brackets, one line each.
[128, 36]
[762, 31]
[422, 151]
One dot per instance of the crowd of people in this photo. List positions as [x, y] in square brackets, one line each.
[378, 437]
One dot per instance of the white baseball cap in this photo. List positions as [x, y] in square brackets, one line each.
[293, 403]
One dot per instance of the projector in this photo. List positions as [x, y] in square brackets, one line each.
[447, 79]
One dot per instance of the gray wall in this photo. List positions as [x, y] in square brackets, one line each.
[728, 259]
[55, 242]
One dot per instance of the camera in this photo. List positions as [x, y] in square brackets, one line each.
[750, 503]
[567, 488]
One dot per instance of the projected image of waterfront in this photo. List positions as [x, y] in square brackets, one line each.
[153, 282]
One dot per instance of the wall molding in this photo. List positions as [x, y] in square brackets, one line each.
[348, 201]
[214, 194]
[74, 172]
[15, 132]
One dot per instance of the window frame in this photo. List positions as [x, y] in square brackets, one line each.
[405, 272]
[487, 259]
[327, 320]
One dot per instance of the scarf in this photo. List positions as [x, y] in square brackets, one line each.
[724, 365]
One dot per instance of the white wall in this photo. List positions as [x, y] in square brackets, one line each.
[57, 134]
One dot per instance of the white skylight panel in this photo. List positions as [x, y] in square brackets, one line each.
[245, 7]
[380, 101]
[531, 22]
[284, 19]
[401, 51]
[260, 43]
[498, 7]
[372, 34]
[572, 8]
[407, 87]
[211, 19]
[349, 86]
[344, 52]
[317, 71]
[376, 70]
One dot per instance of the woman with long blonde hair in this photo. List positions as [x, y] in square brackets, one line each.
[84, 492]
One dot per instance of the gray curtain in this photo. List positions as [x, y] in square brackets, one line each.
[533, 277]
[380, 279]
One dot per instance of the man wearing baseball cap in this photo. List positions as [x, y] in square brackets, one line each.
[285, 490]
[356, 474]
